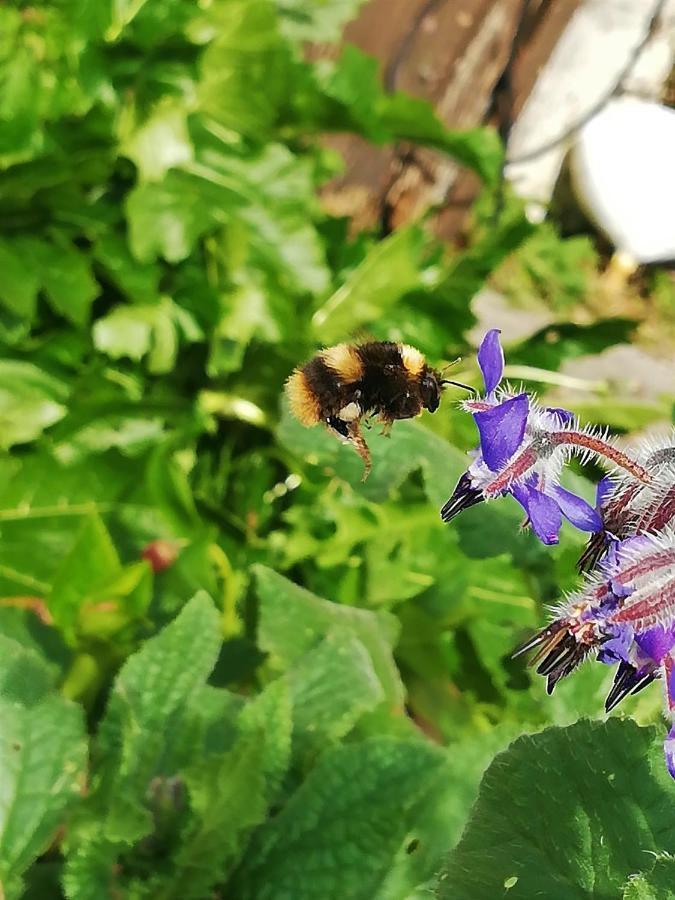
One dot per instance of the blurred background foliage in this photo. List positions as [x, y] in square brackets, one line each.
[166, 262]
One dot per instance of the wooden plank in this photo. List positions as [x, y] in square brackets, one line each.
[451, 52]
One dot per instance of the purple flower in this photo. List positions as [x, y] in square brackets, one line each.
[628, 506]
[625, 615]
[523, 447]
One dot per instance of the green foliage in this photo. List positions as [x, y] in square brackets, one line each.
[570, 811]
[227, 666]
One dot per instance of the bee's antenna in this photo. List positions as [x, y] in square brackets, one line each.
[460, 384]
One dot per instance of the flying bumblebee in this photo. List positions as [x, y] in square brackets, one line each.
[342, 385]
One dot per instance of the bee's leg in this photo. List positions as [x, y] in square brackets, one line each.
[387, 425]
[357, 439]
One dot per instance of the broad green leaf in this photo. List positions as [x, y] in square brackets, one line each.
[42, 759]
[90, 564]
[25, 675]
[354, 82]
[244, 66]
[140, 282]
[166, 218]
[657, 884]
[139, 331]
[229, 795]
[332, 686]
[293, 621]
[339, 834]
[161, 143]
[20, 281]
[170, 490]
[64, 274]
[409, 118]
[569, 812]
[30, 401]
[149, 716]
[389, 270]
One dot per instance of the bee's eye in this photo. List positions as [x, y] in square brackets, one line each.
[431, 392]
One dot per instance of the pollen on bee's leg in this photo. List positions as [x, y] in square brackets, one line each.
[357, 439]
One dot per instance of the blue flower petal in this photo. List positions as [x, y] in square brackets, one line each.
[656, 642]
[502, 429]
[543, 512]
[603, 491]
[669, 751]
[563, 415]
[491, 359]
[579, 513]
[617, 648]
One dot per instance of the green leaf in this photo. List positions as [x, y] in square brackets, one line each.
[357, 809]
[42, 759]
[550, 347]
[138, 331]
[412, 119]
[243, 68]
[359, 103]
[30, 401]
[389, 270]
[165, 218]
[293, 621]
[569, 813]
[90, 564]
[25, 675]
[316, 20]
[410, 447]
[161, 143]
[657, 884]
[20, 281]
[332, 687]
[139, 282]
[230, 794]
[65, 276]
[153, 690]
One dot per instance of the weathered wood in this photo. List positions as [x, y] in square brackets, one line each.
[451, 52]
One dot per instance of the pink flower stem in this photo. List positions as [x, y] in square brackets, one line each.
[601, 448]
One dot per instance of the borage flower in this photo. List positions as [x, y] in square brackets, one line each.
[630, 507]
[624, 616]
[523, 448]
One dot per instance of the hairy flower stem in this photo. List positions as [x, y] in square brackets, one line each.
[649, 610]
[531, 454]
[646, 566]
[603, 449]
[662, 515]
[516, 469]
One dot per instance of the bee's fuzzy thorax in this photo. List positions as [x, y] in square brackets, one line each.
[414, 362]
[345, 361]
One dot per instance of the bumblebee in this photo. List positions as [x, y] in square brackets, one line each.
[342, 385]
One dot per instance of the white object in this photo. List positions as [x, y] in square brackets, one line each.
[623, 172]
[597, 46]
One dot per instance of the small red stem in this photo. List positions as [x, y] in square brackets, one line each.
[579, 439]
[515, 469]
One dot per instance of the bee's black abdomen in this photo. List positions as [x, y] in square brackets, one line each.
[322, 382]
